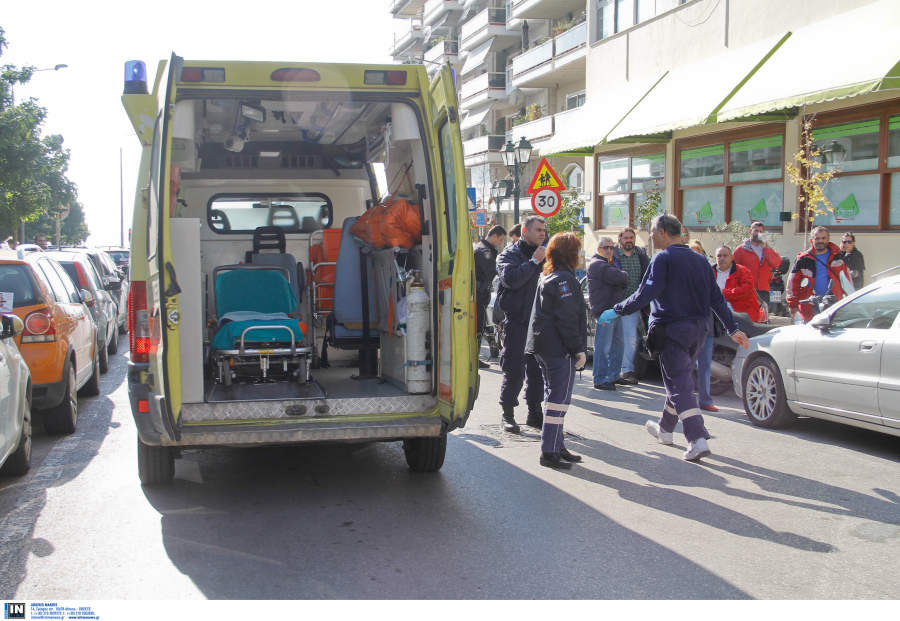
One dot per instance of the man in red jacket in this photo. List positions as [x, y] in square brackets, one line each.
[757, 257]
[821, 266]
[737, 285]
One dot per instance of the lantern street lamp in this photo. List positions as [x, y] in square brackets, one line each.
[516, 159]
[832, 153]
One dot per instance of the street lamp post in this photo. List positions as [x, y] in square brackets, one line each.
[516, 159]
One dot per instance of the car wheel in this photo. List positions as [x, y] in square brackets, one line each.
[425, 454]
[19, 462]
[156, 464]
[104, 359]
[718, 387]
[764, 400]
[63, 418]
[113, 347]
[92, 388]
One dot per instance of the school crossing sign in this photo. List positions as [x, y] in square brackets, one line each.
[545, 188]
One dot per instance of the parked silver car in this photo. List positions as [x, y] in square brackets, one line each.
[15, 401]
[844, 365]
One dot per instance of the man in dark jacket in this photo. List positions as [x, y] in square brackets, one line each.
[681, 290]
[606, 286]
[519, 267]
[854, 260]
[633, 260]
[485, 270]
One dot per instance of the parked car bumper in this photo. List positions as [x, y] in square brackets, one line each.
[49, 395]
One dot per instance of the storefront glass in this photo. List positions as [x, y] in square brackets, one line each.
[758, 202]
[895, 199]
[614, 175]
[704, 207]
[703, 166]
[849, 146]
[647, 169]
[755, 159]
[854, 199]
[894, 142]
[615, 211]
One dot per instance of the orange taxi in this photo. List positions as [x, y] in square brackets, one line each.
[59, 341]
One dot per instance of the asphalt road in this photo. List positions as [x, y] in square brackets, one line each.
[809, 512]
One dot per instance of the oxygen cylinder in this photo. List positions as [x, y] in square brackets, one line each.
[418, 377]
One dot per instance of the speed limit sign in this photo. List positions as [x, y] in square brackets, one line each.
[545, 202]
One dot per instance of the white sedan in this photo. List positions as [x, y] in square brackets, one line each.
[15, 401]
[843, 366]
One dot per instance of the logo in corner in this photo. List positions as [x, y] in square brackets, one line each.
[14, 610]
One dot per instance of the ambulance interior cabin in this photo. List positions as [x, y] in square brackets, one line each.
[283, 300]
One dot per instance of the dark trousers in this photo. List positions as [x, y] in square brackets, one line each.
[559, 378]
[684, 342]
[518, 367]
[480, 311]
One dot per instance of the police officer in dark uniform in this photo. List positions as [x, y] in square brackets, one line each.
[485, 270]
[557, 337]
[681, 290]
[519, 267]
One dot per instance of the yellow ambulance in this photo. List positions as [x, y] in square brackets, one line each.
[301, 259]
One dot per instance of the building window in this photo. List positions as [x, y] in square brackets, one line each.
[606, 11]
[622, 180]
[575, 179]
[575, 100]
[737, 176]
[617, 15]
[864, 145]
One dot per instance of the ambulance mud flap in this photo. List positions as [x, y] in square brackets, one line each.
[157, 407]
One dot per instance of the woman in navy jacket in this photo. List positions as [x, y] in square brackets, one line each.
[557, 336]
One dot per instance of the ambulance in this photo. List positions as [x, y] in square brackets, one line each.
[301, 259]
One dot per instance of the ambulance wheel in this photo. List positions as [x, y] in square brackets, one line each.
[765, 402]
[425, 454]
[156, 464]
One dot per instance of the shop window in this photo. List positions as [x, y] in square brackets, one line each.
[621, 184]
[850, 147]
[749, 189]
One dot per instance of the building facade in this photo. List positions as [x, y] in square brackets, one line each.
[520, 69]
[707, 99]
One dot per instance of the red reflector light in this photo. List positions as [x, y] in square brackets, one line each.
[295, 75]
[393, 78]
[143, 406]
[138, 322]
[202, 74]
[37, 322]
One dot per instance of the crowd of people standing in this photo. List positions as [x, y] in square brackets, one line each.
[687, 302]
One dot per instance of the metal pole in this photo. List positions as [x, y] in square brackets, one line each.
[57, 232]
[121, 204]
[516, 194]
[22, 233]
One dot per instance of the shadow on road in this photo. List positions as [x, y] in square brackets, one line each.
[351, 522]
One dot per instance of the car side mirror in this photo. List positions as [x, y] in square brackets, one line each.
[821, 322]
[87, 297]
[12, 326]
[113, 284]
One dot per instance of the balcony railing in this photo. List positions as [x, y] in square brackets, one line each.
[484, 144]
[533, 57]
[402, 39]
[545, 52]
[482, 83]
[443, 48]
[434, 8]
[489, 16]
[533, 130]
[561, 119]
[571, 38]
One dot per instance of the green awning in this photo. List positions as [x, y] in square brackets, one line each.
[691, 95]
[851, 54]
[600, 115]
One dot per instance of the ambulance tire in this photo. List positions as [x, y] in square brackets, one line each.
[425, 454]
[156, 464]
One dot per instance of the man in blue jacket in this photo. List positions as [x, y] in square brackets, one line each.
[681, 290]
[519, 267]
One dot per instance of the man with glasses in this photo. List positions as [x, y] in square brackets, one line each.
[757, 257]
[634, 261]
[606, 284]
[853, 259]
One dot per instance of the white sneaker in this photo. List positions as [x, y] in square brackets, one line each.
[698, 448]
[663, 437]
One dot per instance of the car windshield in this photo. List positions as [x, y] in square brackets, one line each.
[15, 284]
[875, 309]
[119, 256]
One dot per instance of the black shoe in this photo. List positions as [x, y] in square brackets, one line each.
[483, 365]
[508, 420]
[553, 460]
[565, 454]
[628, 379]
[535, 416]
[605, 386]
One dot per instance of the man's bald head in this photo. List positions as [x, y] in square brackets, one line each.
[724, 258]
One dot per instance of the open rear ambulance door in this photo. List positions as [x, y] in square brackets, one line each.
[162, 284]
[457, 372]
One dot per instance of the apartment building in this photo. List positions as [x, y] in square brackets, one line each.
[707, 99]
[520, 67]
